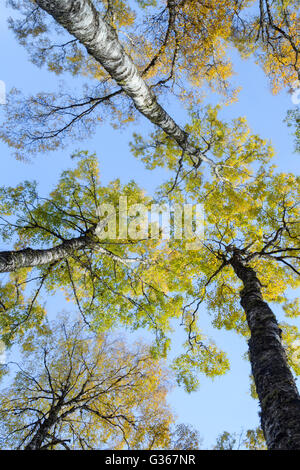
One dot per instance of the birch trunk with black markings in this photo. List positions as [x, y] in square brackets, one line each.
[81, 19]
[28, 257]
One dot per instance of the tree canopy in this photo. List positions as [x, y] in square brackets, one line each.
[75, 390]
[129, 59]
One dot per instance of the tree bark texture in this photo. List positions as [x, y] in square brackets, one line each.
[81, 19]
[28, 257]
[45, 427]
[275, 385]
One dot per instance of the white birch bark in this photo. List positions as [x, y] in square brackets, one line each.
[81, 19]
[28, 257]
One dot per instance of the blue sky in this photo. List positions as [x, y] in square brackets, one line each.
[225, 403]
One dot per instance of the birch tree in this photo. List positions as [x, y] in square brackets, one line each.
[57, 247]
[113, 282]
[160, 54]
[76, 390]
[260, 253]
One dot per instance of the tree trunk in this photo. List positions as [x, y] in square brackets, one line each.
[275, 385]
[45, 427]
[28, 257]
[81, 19]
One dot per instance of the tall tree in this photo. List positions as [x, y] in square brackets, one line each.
[94, 268]
[141, 63]
[76, 390]
[266, 235]
[114, 279]
[261, 251]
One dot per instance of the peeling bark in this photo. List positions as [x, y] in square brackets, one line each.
[275, 385]
[81, 19]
